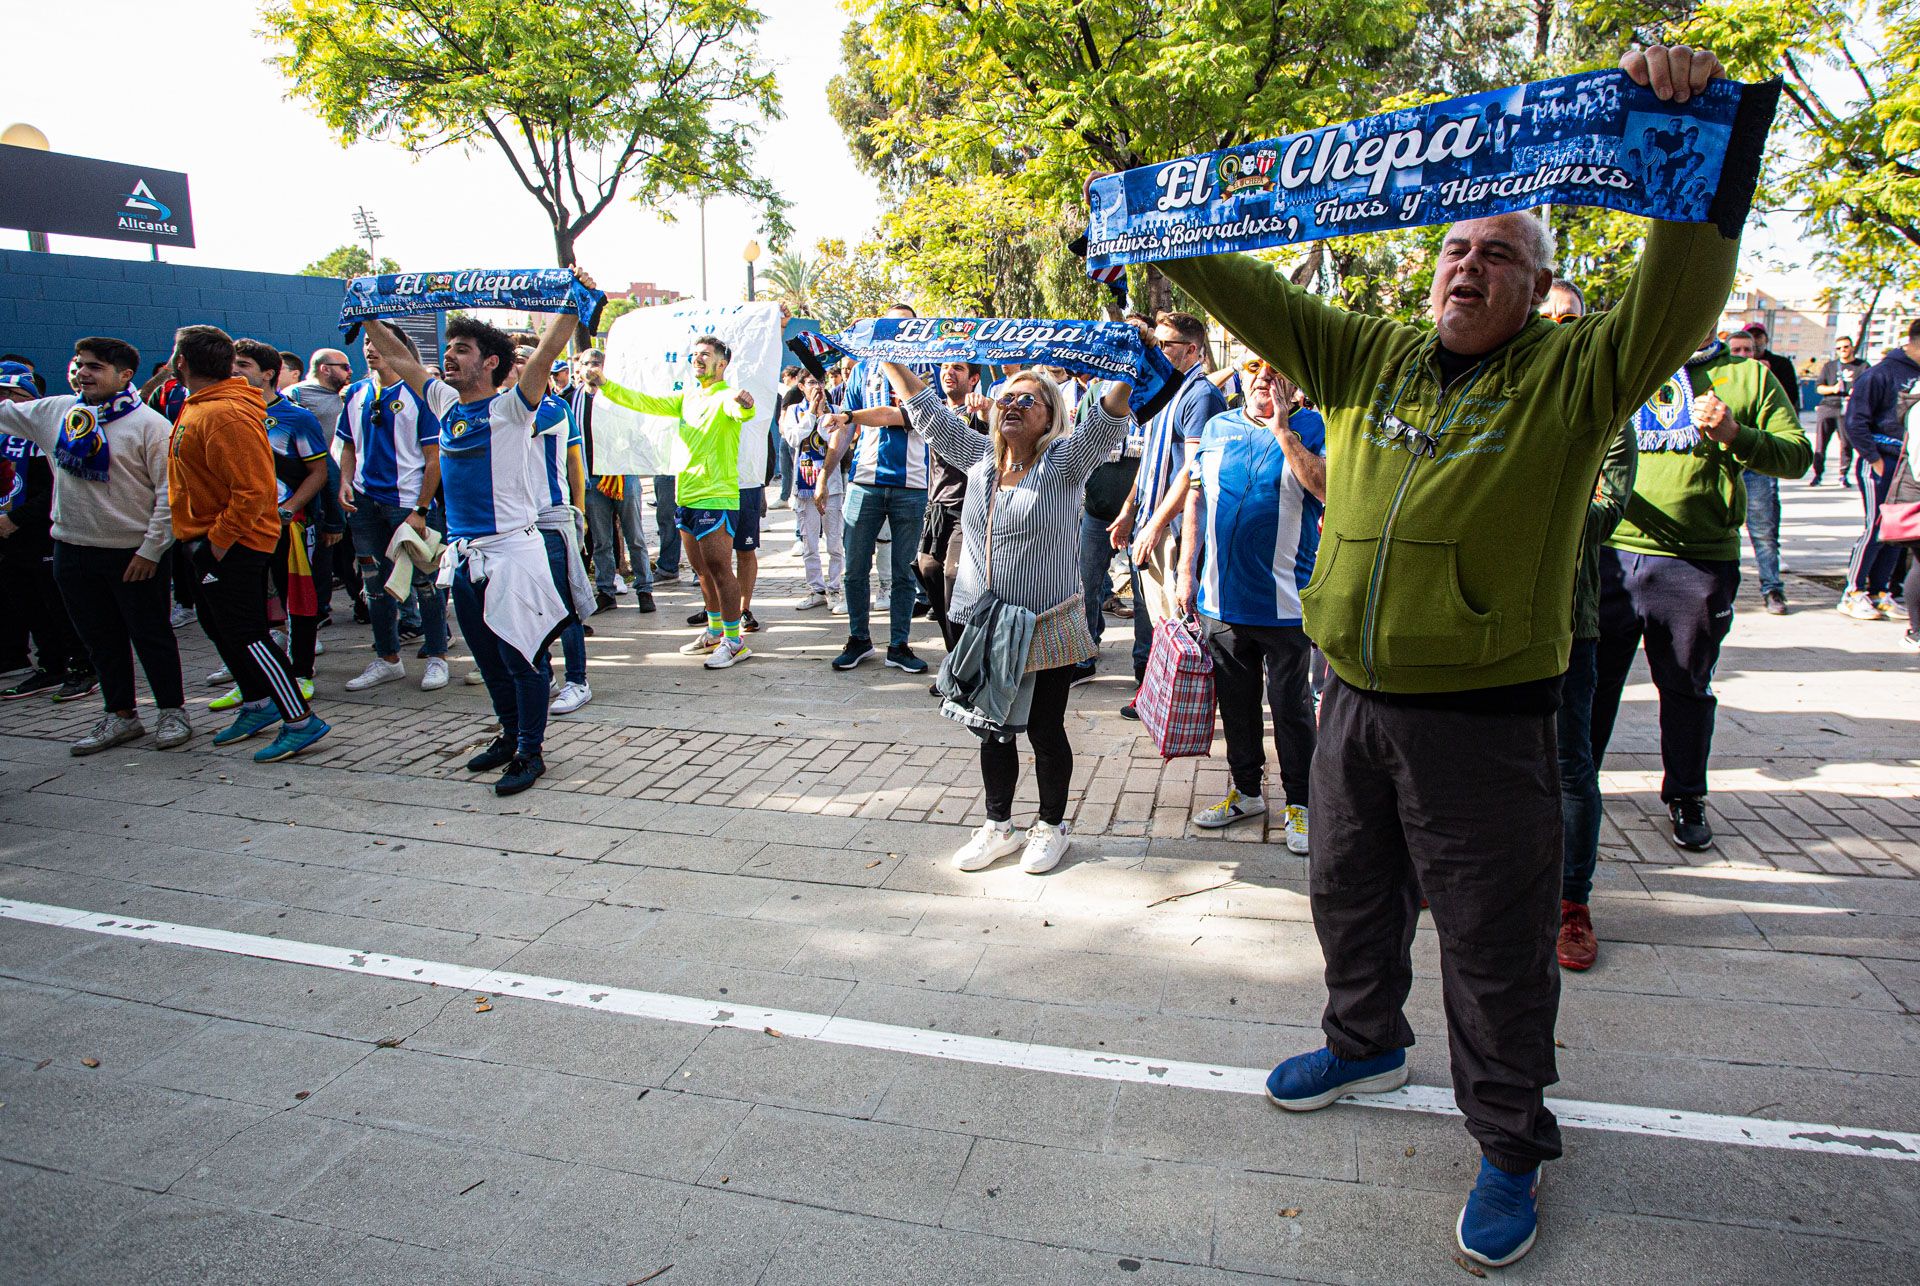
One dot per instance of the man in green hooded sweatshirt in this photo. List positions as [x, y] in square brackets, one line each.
[1460, 464]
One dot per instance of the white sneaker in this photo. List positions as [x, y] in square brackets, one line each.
[174, 729]
[1046, 845]
[1234, 808]
[993, 841]
[1883, 603]
[798, 549]
[813, 599]
[474, 679]
[727, 652]
[1296, 828]
[836, 604]
[1857, 605]
[702, 643]
[319, 648]
[436, 675]
[377, 673]
[220, 676]
[620, 585]
[570, 698]
[108, 731]
[181, 617]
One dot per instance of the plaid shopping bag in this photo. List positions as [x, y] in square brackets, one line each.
[1175, 701]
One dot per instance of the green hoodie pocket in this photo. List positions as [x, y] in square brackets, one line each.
[1335, 601]
[1423, 619]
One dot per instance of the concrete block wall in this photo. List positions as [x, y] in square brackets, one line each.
[47, 301]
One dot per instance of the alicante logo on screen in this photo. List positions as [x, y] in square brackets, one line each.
[143, 200]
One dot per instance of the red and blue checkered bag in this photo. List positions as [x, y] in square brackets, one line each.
[1175, 701]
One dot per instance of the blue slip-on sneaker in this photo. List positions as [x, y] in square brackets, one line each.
[1498, 1223]
[1309, 1081]
[292, 741]
[248, 723]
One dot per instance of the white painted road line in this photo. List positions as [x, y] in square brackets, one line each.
[1698, 1127]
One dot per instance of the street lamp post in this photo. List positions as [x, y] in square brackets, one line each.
[369, 227]
[751, 253]
[21, 134]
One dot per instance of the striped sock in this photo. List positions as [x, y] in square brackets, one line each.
[713, 622]
[733, 629]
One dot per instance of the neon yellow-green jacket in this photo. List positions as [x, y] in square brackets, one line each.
[1454, 570]
[709, 425]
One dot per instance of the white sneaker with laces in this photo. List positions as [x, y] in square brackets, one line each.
[836, 604]
[108, 731]
[727, 652]
[377, 673]
[1858, 606]
[813, 599]
[798, 549]
[1234, 808]
[436, 676]
[474, 678]
[220, 676]
[620, 585]
[993, 841]
[570, 698]
[181, 617]
[702, 644]
[1883, 603]
[319, 648]
[1296, 828]
[174, 729]
[1046, 845]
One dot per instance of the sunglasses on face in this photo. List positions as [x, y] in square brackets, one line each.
[1252, 367]
[1016, 401]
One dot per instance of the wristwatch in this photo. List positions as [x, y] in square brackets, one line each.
[423, 510]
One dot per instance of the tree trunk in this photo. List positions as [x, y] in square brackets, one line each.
[1159, 292]
[1542, 28]
[1866, 323]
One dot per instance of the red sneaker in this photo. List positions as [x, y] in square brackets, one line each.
[1577, 947]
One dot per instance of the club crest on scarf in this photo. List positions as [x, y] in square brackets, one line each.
[538, 290]
[1665, 423]
[82, 448]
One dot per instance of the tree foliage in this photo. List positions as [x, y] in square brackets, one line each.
[849, 284]
[347, 261]
[582, 97]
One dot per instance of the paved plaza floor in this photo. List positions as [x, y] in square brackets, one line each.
[335, 1020]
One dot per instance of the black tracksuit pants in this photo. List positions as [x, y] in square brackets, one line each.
[1463, 807]
[1680, 609]
[230, 595]
[1256, 664]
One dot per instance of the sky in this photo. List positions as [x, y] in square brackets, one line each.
[273, 190]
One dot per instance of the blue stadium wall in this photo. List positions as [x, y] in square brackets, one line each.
[47, 301]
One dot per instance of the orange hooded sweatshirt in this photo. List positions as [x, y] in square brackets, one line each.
[220, 478]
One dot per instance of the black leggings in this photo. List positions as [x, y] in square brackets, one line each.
[1052, 753]
[1912, 591]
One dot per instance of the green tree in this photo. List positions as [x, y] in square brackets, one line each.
[582, 98]
[849, 284]
[347, 261]
[789, 278]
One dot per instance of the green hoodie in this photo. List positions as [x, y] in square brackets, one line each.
[1455, 571]
[1691, 504]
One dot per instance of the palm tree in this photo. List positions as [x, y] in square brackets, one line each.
[790, 279]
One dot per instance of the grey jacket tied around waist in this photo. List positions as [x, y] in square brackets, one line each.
[984, 683]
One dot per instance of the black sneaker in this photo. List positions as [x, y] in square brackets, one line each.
[522, 772]
[1775, 602]
[38, 681]
[411, 633]
[1690, 829]
[1128, 712]
[76, 686]
[901, 657]
[933, 690]
[602, 601]
[921, 609]
[856, 651]
[498, 752]
[697, 618]
[748, 625]
[1083, 673]
[643, 602]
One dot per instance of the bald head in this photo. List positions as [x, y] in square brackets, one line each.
[329, 366]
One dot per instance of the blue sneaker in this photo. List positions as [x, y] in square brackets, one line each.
[1306, 1082]
[248, 723]
[292, 741]
[1498, 1223]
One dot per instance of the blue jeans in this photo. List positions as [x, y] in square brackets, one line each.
[1763, 528]
[1580, 807]
[664, 507]
[903, 509]
[573, 639]
[783, 464]
[1096, 555]
[517, 687]
[1142, 625]
[372, 524]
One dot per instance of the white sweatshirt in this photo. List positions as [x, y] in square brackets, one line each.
[129, 509]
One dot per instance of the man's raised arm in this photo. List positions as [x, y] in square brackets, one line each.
[395, 356]
[538, 372]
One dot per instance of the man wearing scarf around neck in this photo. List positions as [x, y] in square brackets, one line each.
[1670, 571]
[111, 528]
[226, 510]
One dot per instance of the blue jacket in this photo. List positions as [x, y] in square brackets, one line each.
[1873, 412]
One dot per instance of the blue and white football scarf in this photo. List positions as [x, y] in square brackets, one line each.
[82, 447]
[535, 290]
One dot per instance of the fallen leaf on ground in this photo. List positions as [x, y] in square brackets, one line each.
[875, 862]
[1409, 1151]
[482, 1006]
[1291, 1212]
[1558, 1043]
[771, 1032]
[388, 1042]
[89, 1062]
[642, 1281]
[43, 1065]
[301, 1094]
[1470, 1266]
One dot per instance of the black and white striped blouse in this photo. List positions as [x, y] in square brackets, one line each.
[1036, 524]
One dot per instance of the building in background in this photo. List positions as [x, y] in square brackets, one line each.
[645, 294]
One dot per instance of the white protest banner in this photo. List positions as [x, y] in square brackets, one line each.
[647, 350]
